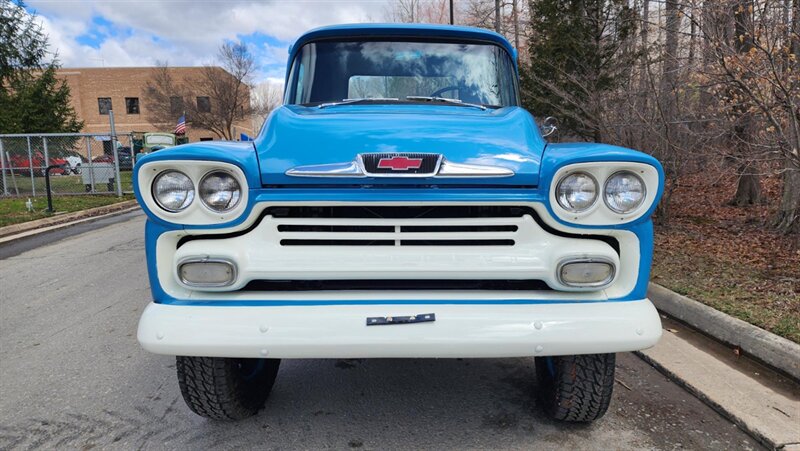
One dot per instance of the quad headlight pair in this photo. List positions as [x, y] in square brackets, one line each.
[623, 192]
[174, 191]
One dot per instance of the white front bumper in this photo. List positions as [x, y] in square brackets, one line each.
[341, 331]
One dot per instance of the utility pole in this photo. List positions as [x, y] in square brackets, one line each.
[515, 16]
[115, 153]
[451, 12]
[497, 16]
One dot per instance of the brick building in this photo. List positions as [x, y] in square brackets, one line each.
[96, 90]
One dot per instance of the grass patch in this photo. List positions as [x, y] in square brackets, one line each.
[728, 258]
[61, 184]
[14, 211]
[743, 292]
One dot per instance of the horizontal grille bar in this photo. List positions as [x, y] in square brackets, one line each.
[333, 228]
[398, 231]
[397, 243]
[394, 285]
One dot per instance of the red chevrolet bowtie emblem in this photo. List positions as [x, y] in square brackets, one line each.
[399, 163]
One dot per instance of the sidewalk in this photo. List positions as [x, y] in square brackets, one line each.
[759, 400]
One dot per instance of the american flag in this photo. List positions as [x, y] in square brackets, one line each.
[180, 129]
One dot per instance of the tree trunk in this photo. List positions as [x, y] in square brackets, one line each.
[748, 188]
[515, 17]
[788, 218]
[692, 31]
[644, 91]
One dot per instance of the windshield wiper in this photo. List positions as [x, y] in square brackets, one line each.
[446, 100]
[365, 99]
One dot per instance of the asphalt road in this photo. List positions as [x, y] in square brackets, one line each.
[72, 376]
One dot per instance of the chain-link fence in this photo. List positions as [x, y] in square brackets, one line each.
[80, 163]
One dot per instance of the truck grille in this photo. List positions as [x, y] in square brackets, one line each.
[393, 226]
[394, 247]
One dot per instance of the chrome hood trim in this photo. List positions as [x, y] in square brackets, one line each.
[356, 169]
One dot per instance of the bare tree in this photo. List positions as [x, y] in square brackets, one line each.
[215, 100]
[419, 11]
[265, 98]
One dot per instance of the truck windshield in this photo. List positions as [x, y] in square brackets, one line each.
[397, 72]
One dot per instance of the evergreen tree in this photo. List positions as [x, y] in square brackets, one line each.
[578, 51]
[32, 98]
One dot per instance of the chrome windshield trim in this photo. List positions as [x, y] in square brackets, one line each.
[355, 169]
[447, 100]
[365, 99]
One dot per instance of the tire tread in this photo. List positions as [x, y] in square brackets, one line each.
[582, 388]
[212, 388]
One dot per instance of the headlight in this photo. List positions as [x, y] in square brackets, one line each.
[173, 191]
[220, 191]
[577, 192]
[624, 192]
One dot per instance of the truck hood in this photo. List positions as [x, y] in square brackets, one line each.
[296, 136]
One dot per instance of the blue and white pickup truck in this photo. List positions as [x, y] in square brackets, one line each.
[400, 203]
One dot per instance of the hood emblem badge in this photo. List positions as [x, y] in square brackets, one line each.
[399, 163]
[391, 164]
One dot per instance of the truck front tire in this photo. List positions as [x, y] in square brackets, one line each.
[576, 388]
[224, 388]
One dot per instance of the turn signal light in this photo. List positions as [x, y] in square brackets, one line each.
[586, 273]
[207, 273]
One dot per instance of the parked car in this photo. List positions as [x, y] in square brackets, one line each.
[155, 141]
[400, 203]
[124, 155]
[21, 164]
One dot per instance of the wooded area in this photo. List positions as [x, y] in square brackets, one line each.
[702, 85]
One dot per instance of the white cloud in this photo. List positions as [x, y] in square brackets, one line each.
[187, 32]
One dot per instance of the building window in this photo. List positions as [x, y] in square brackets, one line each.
[204, 104]
[104, 105]
[132, 105]
[206, 139]
[176, 105]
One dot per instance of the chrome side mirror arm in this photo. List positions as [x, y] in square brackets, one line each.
[549, 126]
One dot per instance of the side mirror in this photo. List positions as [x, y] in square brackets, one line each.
[549, 126]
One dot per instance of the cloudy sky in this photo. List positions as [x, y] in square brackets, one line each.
[88, 33]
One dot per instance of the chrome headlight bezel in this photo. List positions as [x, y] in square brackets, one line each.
[197, 213]
[235, 198]
[190, 192]
[606, 195]
[577, 174]
[600, 214]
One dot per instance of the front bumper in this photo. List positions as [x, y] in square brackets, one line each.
[484, 330]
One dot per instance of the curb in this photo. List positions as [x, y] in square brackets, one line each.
[767, 347]
[64, 219]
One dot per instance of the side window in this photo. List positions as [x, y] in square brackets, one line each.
[204, 104]
[104, 105]
[132, 105]
[305, 74]
[299, 93]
